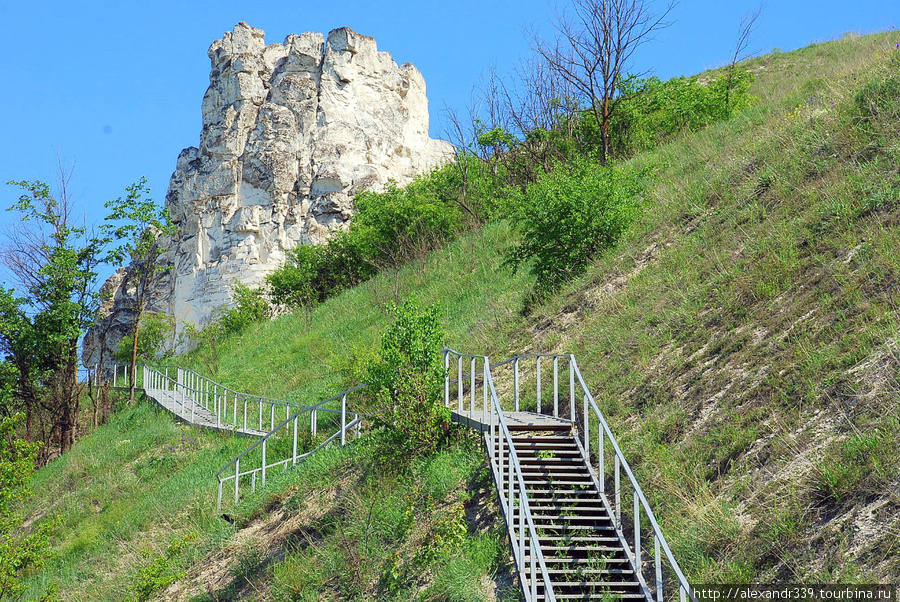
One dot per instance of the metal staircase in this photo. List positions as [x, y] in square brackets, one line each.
[578, 530]
[579, 525]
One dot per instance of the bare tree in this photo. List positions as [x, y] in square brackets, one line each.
[745, 32]
[594, 48]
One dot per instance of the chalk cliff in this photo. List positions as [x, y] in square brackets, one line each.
[291, 132]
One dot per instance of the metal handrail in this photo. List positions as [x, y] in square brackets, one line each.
[508, 476]
[230, 409]
[235, 474]
[581, 420]
[225, 388]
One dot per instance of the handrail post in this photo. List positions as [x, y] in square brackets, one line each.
[659, 580]
[572, 387]
[601, 464]
[237, 480]
[472, 387]
[555, 386]
[459, 384]
[344, 419]
[265, 441]
[484, 386]
[618, 495]
[637, 532]
[587, 428]
[516, 384]
[294, 456]
[446, 378]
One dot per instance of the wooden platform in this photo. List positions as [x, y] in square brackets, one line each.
[515, 421]
[181, 405]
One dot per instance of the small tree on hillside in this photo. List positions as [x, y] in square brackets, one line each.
[55, 264]
[594, 48]
[407, 376]
[140, 226]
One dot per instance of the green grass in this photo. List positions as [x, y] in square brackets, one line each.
[741, 339]
[129, 487]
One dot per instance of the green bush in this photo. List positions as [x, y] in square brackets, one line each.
[22, 549]
[155, 330]
[406, 378]
[651, 110]
[389, 228]
[569, 217]
[250, 307]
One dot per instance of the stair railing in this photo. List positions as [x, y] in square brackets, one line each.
[273, 450]
[561, 391]
[505, 467]
[231, 410]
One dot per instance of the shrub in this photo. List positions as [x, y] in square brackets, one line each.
[652, 111]
[407, 376]
[250, 307]
[155, 331]
[569, 217]
[19, 552]
[389, 228]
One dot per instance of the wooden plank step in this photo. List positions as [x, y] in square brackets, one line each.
[614, 549]
[591, 571]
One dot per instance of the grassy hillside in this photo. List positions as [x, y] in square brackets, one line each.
[742, 340]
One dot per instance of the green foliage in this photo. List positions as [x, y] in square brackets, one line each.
[651, 111]
[160, 572]
[313, 273]
[406, 378]
[156, 329]
[18, 552]
[55, 261]
[250, 306]
[389, 228]
[569, 217]
[137, 223]
[140, 227]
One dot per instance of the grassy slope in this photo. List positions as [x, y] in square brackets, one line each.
[741, 338]
[127, 465]
[747, 331]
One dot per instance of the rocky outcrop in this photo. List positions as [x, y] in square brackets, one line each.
[291, 132]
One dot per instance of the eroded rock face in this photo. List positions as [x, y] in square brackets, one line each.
[291, 132]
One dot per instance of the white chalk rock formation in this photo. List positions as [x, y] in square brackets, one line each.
[291, 132]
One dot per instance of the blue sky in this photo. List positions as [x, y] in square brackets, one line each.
[114, 88]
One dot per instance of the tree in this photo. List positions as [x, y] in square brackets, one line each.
[406, 378]
[593, 51]
[745, 31]
[55, 262]
[140, 226]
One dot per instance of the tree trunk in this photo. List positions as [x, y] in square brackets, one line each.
[604, 133]
[133, 378]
